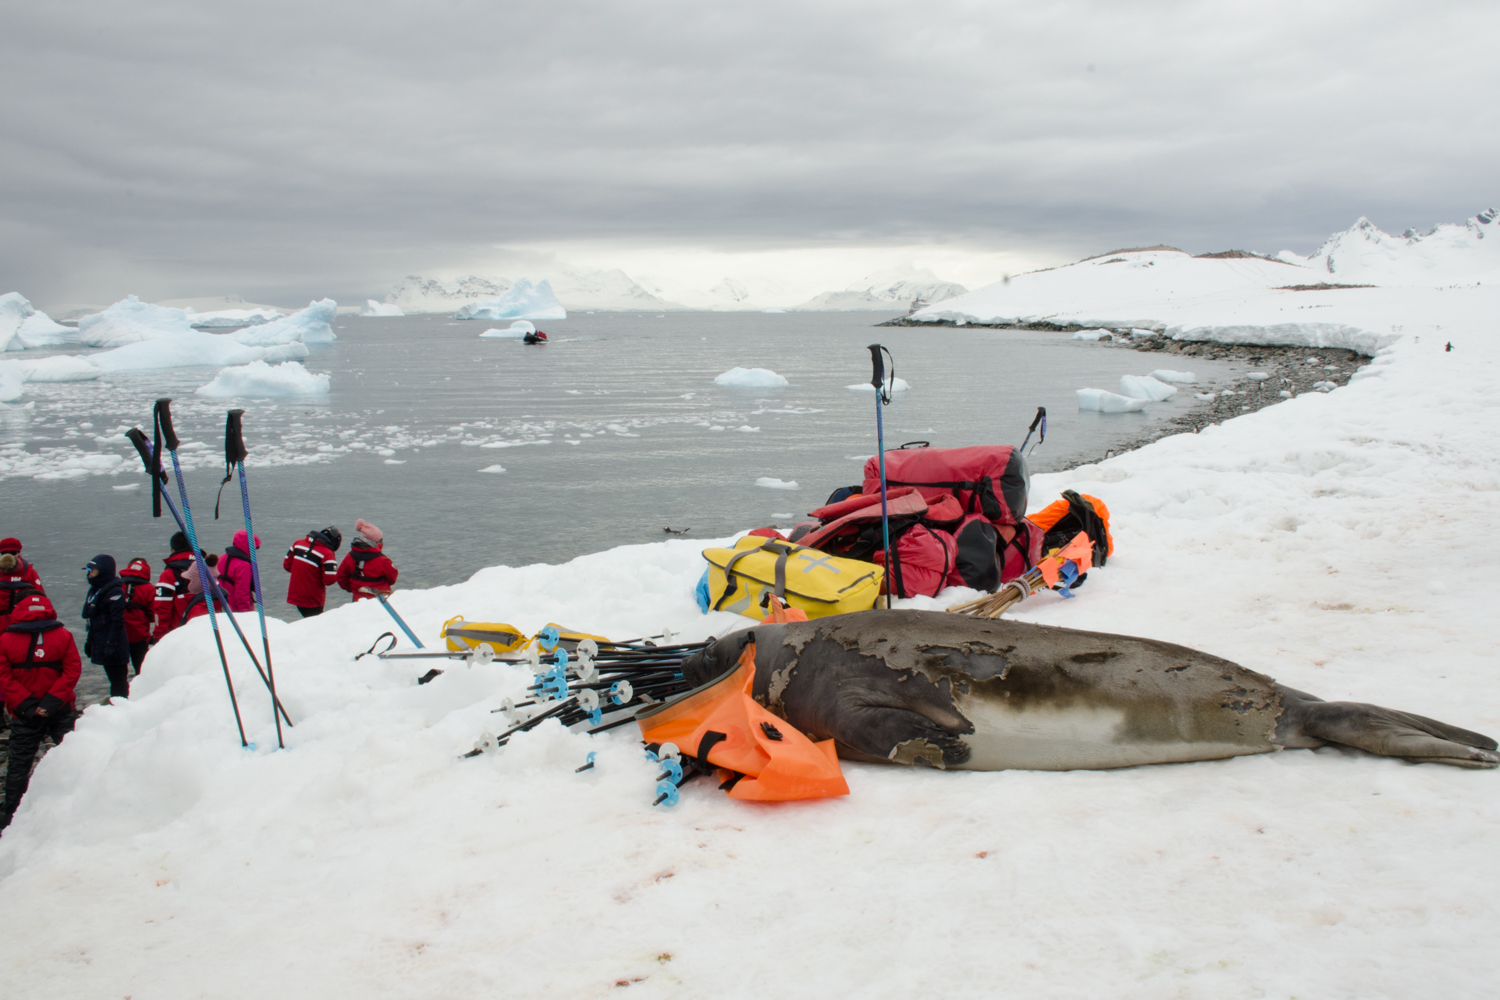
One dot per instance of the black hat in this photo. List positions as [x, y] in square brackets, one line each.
[180, 542]
[335, 537]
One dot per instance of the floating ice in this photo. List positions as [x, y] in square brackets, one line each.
[83, 465]
[900, 385]
[373, 308]
[523, 300]
[1092, 335]
[493, 468]
[22, 327]
[61, 368]
[748, 429]
[259, 380]
[1145, 387]
[187, 349]
[286, 352]
[1103, 401]
[10, 385]
[1258, 376]
[750, 378]
[312, 325]
[220, 318]
[517, 330]
[131, 321]
[1167, 375]
[771, 483]
[395, 461]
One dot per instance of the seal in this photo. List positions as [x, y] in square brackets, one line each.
[952, 691]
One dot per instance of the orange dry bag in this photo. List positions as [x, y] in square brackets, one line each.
[760, 756]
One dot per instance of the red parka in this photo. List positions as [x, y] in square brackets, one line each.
[314, 569]
[365, 567]
[140, 600]
[236, 575]
[39, 663]
[14, 585]
[171, 593]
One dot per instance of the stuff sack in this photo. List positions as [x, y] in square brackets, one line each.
[924, 560]
[1020, 548]
[463, 636]
[986, 479]
[976, 557]
[817, 582]
[1075, 512]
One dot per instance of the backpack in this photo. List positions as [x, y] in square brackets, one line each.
[985, 479]
[1075, 512]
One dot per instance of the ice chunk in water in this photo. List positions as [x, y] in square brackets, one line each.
[899, 385]
[517, 330]
[771, 483]
[523, 300]
[22, 327]
[1103, 401]
[131, 321]
[231, 317]
[56, 369]
[259, 379]
[373, 308]
[1145, 387]
[181, 350]
[750, 378]
[312, 325]
[1092, 335]
[1167, 375]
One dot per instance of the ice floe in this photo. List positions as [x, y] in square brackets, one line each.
[313, 325]
[898, 385]
[1145, 387]
[523, 300]
[224, 318]
[772, 483]
[515, 331]
[59, 368]
[260, 380]
[23, 327]
[751, 378]
[1167, 375]
[1104, 401]
[373, 308]
[131, 321]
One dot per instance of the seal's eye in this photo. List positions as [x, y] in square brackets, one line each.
[772, 733]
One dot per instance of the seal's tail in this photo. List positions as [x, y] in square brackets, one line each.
[1391, 733]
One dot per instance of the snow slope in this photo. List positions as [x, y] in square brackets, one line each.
[888, 291]
[1329, 541]
[577, 289]
[1450, 252]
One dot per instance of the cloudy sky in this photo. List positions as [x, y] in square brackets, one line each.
[286, 150]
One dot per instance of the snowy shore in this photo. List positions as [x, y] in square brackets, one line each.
[1333, 541]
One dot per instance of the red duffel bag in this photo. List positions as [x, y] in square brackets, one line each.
[986, 479]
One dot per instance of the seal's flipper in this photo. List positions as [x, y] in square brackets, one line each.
[898, 735]
[1391, 733]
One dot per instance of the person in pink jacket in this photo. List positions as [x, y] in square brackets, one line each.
[235, 574]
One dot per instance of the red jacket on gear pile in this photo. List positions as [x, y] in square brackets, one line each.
[171, 594]
[365, 567]
[39, 663]
[140, 598]
[15, 583]
[314, 569]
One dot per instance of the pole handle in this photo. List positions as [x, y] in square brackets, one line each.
[164, 422]
[877, 378]
[234, 438]
[138, 438]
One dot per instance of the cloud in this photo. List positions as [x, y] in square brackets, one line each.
[285, 150]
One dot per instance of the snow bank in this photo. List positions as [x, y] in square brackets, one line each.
[313, 325]
[523, 300]
[899, 385]
[223, 318]
[1145, 387]
[55, 369]
[260, 380]
[1104, 401]
[751, 378]
[23, 327]
[131, 321]
[517, 330]
[373, 308]
[1167, 375]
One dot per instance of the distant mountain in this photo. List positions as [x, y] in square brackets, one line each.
[888, 291]
[576, 290]
[1363, 254]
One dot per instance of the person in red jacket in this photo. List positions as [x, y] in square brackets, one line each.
[17, 578]
[236, 575]
[140, 608]
[366, 571]
[171, 590]
[314, 569]
[39, 668]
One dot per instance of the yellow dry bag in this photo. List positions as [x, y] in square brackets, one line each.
[816, 582]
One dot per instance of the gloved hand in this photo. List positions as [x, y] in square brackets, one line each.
[27, 709]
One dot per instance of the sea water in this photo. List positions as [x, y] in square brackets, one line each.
[608, 434]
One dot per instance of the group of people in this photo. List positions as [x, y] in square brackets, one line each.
[125, 615]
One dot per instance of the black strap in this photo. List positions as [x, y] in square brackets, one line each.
[710, 739]
[384, 635]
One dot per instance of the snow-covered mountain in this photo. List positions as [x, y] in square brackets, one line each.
[888, 291]
[604, 290]
[1363, 254]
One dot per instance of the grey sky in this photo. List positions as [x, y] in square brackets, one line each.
[285, 150]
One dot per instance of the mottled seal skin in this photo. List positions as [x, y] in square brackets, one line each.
[952, 691]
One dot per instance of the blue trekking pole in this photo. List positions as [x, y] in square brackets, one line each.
[234, 458]
[883, 398]
[409, 633]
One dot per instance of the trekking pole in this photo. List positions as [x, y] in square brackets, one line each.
[409, 633]
[150, 457]
[234, 457]
[883, 398]
[1040, 418]
[162, 427]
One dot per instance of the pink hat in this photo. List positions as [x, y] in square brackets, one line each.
[369, 532]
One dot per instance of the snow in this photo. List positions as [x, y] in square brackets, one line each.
[368, 859]
[232, 317]
[131, 321]
[260, 380]
[1145, 387]
[312, 325]
[771, 483]
[1167, 375]
[751, 378]
[892, 290]
[515, 331]
[23, 327]
[1363, 254]
[523, 300]
[898, 385]
[373, 308]
[1104, 401]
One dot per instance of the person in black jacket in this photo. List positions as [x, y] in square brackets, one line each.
[106, 642]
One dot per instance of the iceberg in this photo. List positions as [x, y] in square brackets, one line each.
[751, 378]
[295, 351]
[1104, 401]
[373, 308]
[62, 368]
[260, 380]
[517, 330]
[523, 300]
[1145, 387]
[313, 325]
[131, 321]
[183, 350]
[10, 385]
[223, 318]
[23, 327]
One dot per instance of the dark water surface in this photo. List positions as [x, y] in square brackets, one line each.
[633, 392]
